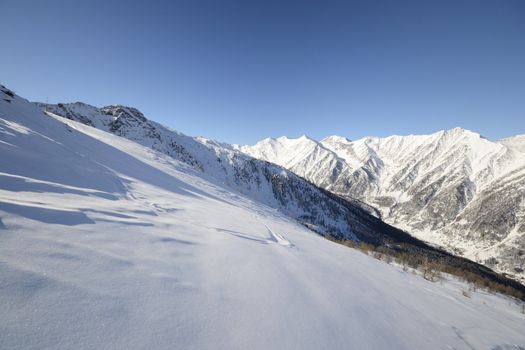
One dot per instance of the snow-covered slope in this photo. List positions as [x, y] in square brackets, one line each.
[224, 165]
[262, 181]
[108, 244]
[454, 188]
[257, 179]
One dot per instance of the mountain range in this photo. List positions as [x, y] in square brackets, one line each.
[118, 232]
[454, 188]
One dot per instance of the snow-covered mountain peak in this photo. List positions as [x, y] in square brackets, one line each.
[459, 131]
[335, 139]
[457, 147]
[305, 137]
[425, 183]
[396, 149]
[463, 135]
[282, 150]
[293, 141]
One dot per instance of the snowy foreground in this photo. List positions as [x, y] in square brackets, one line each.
[106, 244]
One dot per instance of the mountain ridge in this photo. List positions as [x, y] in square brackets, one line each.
[433, 185]
[309, 151]
[109, 243]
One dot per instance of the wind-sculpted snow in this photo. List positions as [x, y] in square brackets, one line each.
[260, 180]
[454, 188]
[108, 244]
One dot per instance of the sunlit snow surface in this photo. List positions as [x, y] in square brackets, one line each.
[105, 244]
[453, 188]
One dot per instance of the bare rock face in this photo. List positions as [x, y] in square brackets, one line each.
[453, 188]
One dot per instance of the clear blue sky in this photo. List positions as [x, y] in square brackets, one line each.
[240, 71]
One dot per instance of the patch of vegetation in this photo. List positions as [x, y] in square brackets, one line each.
[432, 265]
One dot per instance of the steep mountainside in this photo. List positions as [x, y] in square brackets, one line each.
[453, 188]
[224, 165]
[108, 244]
[263, 181]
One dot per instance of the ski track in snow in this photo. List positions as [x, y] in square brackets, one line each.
[277, 238]
[273, 236]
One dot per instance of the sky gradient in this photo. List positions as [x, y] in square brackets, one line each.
[240, 71]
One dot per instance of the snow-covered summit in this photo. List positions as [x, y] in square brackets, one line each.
[334, 139]
[443, 187]
[283, 150]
